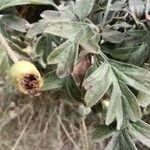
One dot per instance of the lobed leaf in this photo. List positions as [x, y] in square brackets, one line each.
[96, 85]
[82, 8]
[68, 30]
[44, 46]
[135, 55]
[78, 32]
[130, 103]
[115, 109]
[72, 89]
[123, 104]
[141, 131]
[14, 22]
[9, 3]
[137, 77]
[67, 60]
[57, 16]
[102, 132]
[51, 81]
[66, 56]
[113, 36]
[122, 141]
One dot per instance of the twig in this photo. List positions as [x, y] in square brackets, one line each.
[135, 19]
[67, 134]
[84, 129]
[107, 11]
[22, 133]
[4, 121]
[9, 51]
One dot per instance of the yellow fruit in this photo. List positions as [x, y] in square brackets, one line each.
[25, 76]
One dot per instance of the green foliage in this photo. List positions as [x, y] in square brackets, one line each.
[51, 81]
[14, 22]
[122, 141]
[66, 56]
[72, 89]
[141, 131]
[82, 8]
[4, 63]
[102, 132]
[8, 3]
[113, 38]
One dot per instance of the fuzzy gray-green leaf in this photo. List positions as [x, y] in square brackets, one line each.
[9, 3]
[51, 81]
[102, 132]
[97, 84]
[137, 77]
[141, 131]
[115, 109]
[4, 63]
[130, 104]
[121, 141]
[83, 8]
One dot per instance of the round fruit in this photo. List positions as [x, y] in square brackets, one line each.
[25, 76]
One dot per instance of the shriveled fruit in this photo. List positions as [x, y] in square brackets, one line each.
[25, 76]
